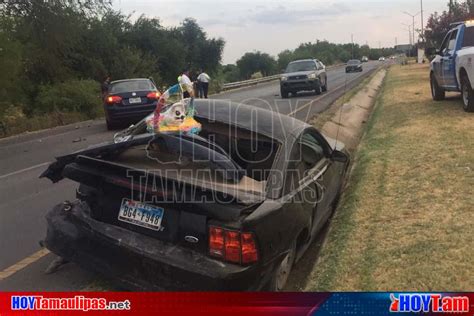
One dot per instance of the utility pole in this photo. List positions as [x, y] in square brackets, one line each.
[352, 41]
[396, 41]
[413, 25]
[422, 23]
[409, 32]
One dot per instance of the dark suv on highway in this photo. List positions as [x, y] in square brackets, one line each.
[303, 75]
[129, 100]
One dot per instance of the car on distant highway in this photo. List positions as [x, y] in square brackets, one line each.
[354, 65]
[303, 75]
[365, 59]
[382, 58]
[231, 208]
[129, 100]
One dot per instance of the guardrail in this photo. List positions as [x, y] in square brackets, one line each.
[244, 83]
[238, 84]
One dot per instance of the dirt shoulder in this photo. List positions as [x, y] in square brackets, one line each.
[405, 221]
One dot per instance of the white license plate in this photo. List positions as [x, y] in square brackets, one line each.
[135, 100]
[140, 214]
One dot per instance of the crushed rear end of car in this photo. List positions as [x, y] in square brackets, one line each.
[166, 211]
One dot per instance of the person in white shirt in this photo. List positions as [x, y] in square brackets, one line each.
[203, 84]
[186, 84]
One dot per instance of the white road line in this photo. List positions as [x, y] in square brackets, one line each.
[322, 96]
[23, 263]
[24, 170]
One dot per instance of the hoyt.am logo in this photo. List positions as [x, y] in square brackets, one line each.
[436, 303]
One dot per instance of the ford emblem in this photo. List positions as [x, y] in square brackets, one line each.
[191, 239]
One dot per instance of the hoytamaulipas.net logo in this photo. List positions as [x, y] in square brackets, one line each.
[435, 303]
[75, 303]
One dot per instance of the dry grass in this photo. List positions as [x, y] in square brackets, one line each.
[406, 221]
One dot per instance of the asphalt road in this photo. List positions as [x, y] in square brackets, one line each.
[25, 199]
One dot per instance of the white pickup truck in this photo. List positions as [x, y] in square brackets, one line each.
[453, 67]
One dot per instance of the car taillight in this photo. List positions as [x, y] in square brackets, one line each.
[249, 248]
[111, 99]
[232, 246]
[216, 242]
[153, 95]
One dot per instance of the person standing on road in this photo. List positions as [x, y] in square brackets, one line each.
[186, 84]
[203, 84]
[105, 87]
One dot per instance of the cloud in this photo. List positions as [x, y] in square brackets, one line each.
[283, 15]
[233, 23]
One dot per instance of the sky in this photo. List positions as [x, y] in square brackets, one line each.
[271, 26]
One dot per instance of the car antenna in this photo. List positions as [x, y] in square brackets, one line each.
[340, 110]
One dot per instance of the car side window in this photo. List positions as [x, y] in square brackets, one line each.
[311, 151]
[305, 155]
[468, 40]
[452, 41]
[444, 45]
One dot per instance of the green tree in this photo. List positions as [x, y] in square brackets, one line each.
[440, 23]
[256, 62]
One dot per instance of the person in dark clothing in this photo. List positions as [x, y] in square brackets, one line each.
[105, 87]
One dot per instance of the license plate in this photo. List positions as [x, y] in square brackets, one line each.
[135, 100]
[140, 214]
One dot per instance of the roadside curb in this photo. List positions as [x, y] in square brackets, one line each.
[347, 124]
[57, 130]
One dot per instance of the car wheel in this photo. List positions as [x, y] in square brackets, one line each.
[318, 89]
[325, 87]
[467, 94]
[282, 272]
[437, 92]
[284, 93]
[110, 125]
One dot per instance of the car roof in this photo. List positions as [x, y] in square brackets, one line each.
[125, 80]
[271, 124]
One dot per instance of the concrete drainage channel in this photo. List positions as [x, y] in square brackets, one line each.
[348, 121]
[348, 124]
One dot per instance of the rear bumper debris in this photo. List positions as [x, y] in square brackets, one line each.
[139, 262]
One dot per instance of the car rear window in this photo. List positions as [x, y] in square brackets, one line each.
[132, 85]
[468, 40]
[353, 62]
[301, 66]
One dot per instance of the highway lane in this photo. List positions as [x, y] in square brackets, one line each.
[25, 199]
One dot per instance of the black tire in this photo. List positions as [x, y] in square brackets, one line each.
[284, 93]
[318, 89]
[111, 125]
[282, 272]
[467, 94]
[437, 93]
[325, 87]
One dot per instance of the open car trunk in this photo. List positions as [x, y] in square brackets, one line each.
[176, 195]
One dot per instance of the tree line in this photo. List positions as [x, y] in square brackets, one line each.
[55, 53]
[439, 24]
[328, 53]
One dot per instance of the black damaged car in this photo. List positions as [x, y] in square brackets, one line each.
[232, 208]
